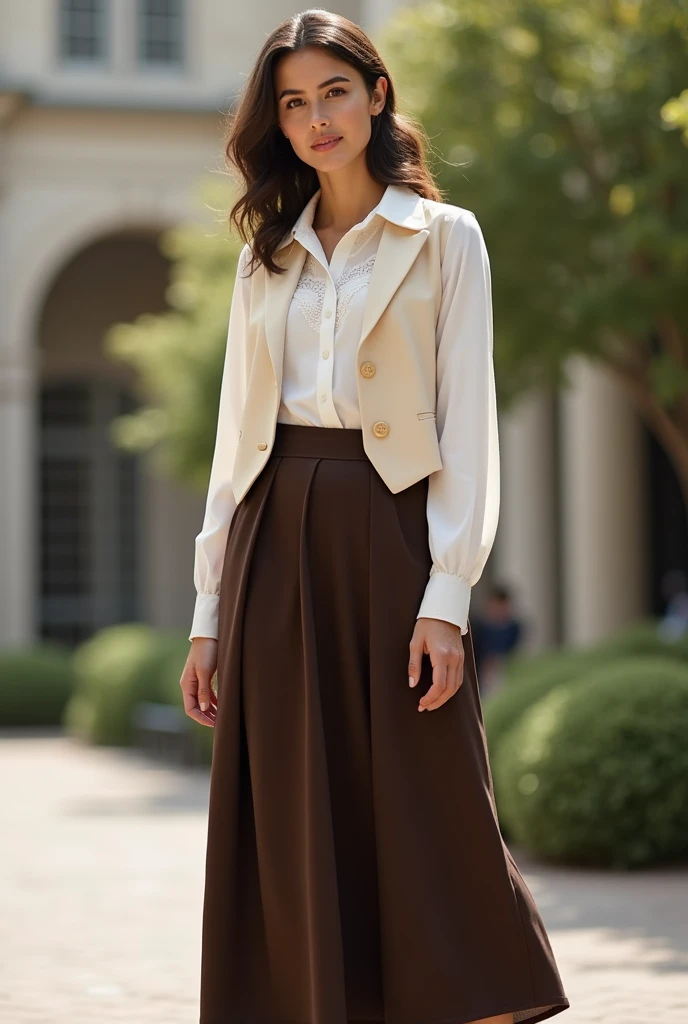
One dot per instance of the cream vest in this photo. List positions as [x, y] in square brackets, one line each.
[396, 350]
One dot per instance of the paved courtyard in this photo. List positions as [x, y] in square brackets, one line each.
[101, 874]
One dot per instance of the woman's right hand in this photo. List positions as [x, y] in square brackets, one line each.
[200, 700]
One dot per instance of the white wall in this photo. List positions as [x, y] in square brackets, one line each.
[223, 39]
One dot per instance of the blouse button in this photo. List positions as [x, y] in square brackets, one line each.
[262, 446]
[381, 429]
[326, 354]
[368, 369]
[328, 312]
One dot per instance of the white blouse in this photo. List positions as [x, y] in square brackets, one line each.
[319, 389]
[324, 324]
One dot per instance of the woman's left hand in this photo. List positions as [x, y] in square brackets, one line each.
[443, 641]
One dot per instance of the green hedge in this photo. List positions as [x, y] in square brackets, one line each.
[115, 670]
[642, 638]
[35, 684]
[529, 677]
[596, 772]
[120, 667]
[528, 681]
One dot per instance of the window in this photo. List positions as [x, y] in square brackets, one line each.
[82, 30]
[161, 32]
[90, 501]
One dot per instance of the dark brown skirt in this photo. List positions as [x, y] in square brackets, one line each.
[355, 870]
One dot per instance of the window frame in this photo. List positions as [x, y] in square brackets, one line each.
[142, 41]
[72, 60]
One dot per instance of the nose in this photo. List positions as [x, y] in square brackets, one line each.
[319, 120]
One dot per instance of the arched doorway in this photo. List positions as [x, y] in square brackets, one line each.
[114, 540]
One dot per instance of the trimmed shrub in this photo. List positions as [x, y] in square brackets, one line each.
[531, 677]
[643, 638]
[528, 680]
[35, 684]
[115, 669]
[597, 771]
[166, 664]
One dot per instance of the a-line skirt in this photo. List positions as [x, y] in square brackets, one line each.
[355, 870]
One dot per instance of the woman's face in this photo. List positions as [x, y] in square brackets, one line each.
[310, 105]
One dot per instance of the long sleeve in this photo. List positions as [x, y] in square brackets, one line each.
[463, 496]
[211, 542]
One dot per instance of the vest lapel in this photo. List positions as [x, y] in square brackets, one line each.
[397, 250]
[279, 289]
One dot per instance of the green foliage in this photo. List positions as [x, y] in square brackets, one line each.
[178, 355]
[675, 113]
[120, 667]
[642, 638]
[528, 680]
[35, 684]
[558, 122]
[597, 771]
[115, 670]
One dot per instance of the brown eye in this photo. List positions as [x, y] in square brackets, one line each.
[334, 88]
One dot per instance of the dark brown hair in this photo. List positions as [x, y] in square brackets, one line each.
[278, 184]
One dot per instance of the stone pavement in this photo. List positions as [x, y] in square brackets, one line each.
[101, 875]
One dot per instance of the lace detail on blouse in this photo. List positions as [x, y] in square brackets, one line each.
[354, 278]
[310, 291]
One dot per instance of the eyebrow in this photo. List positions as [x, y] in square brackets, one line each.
[297, 92]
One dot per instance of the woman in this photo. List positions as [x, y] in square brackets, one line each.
[354, 870]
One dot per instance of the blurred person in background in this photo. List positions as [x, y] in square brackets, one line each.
[498, 634]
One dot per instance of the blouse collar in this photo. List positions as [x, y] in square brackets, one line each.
[399, 205]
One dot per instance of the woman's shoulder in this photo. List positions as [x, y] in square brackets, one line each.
[449, 212]
[247, 268]
[458, 229]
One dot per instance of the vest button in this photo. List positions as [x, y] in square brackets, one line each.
[368, 369]
[262, 446]
[381, 429]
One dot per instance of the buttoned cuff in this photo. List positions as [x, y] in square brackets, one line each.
[205, 616]
[447, 596]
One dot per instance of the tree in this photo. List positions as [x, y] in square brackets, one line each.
[558, 122]
[179, 354]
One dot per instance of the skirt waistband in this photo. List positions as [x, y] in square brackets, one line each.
[308, 442]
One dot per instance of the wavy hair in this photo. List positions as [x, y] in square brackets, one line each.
[276, 183]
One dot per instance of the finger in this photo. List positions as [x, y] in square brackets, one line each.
[448, 691]
[439, 682]
[203, 692]
[415, 659]
[189, 685]
[201, 717]
[194, 711]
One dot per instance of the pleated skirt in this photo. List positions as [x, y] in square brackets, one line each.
[355, 870]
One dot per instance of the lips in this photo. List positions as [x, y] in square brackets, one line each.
[326, 141]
